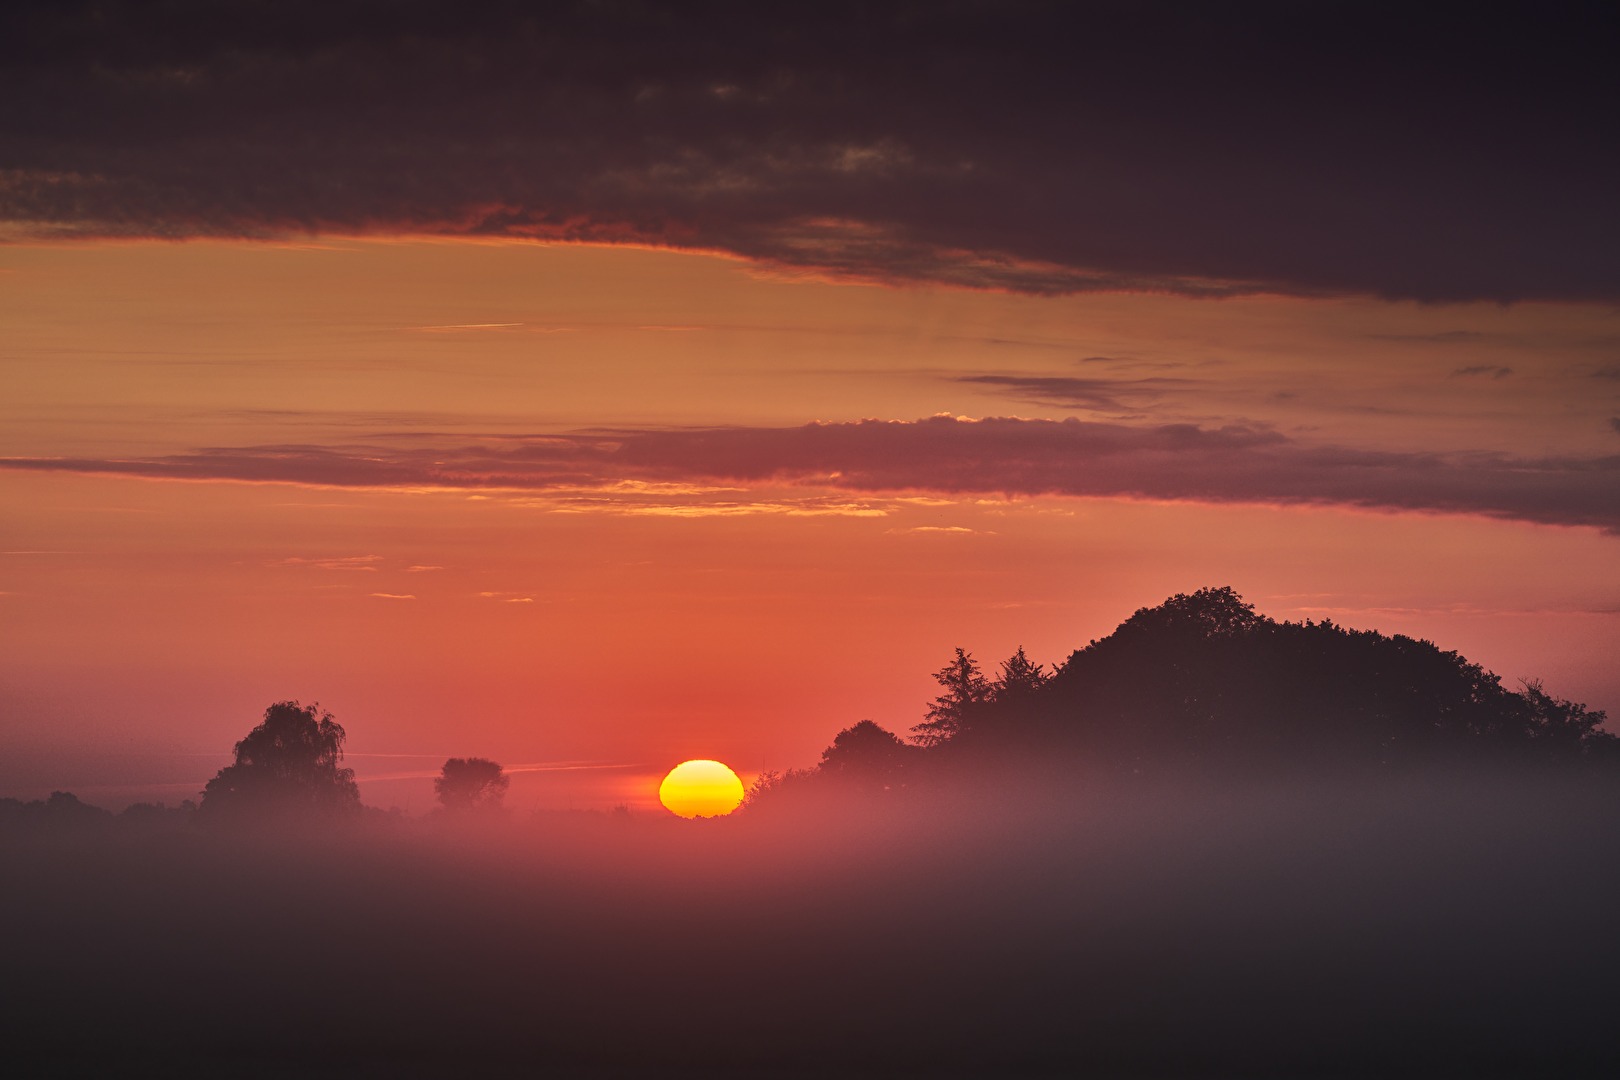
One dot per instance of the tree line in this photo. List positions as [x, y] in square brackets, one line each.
[1204, 683]
[1200, 682]
[288, 770]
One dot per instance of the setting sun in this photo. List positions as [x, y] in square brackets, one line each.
[700, 788]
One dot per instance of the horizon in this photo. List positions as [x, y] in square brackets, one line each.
[639, 384]
[633, 787]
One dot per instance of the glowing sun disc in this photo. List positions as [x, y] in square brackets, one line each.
[700, 788]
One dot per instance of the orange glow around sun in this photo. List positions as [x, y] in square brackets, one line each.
[700, 788]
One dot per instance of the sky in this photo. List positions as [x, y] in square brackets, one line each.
[639, 383]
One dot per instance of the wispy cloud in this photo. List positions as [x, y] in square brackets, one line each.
[392, 596]
[948, 530]
[454, 327]
[1494, 371]
[1386, 610]
[340, 562]
[1114, 396]
[803, 507]
[1437, 337]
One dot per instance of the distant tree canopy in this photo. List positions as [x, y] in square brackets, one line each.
[466, 785]
[868, 756]
[864, 762]
[286, 769]
[1203, 681]
[62, 810]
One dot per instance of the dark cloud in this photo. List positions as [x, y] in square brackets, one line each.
[1068, 392]
[993, 456]
[1614, 422]
[1494, 371]
[1437, 152]
[1442, 337]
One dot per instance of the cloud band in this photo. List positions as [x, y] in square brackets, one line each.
[954, 456]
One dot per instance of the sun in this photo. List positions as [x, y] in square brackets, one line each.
[700, 788]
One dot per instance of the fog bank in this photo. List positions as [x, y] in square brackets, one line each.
[1410, 926]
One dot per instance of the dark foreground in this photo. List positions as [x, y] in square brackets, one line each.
[1360, 929]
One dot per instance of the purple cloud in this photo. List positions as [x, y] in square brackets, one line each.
[997, 456]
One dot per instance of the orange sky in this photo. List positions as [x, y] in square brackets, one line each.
[596, 631]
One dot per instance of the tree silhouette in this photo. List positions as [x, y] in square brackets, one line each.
[953, 712]
[772, 790]
[1012, 707]
[1218, 612]
[287, 769]
[1020, 678]
[1562, 728]
[62, 811]
[465, 785]
[867, 757]
[1204, 680]
[1202, 684]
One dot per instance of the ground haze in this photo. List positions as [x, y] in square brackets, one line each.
[1420, 927]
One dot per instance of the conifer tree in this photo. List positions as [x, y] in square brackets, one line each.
[966, 692]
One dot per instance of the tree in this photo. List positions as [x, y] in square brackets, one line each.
[966, 691]
[287, 768]
[1218, 612]
[867, 756]
[1565, 728]
[1019, 678]
[465, 785]
[775, 791]
[861, 747]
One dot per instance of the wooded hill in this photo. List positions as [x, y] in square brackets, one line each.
[1204, 683]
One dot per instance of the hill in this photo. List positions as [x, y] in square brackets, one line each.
[1203, 683]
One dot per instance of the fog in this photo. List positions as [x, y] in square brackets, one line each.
[1396, 925]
